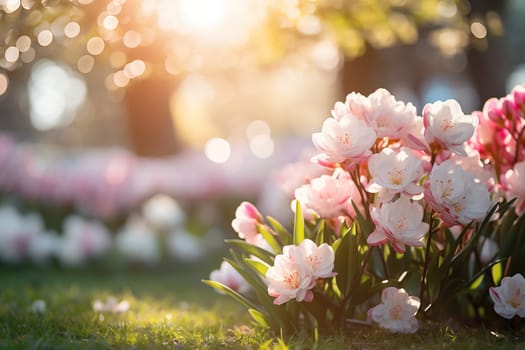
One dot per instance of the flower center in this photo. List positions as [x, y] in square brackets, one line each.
[515, 299]
[292, 279]
[395, 312]
[344, 139]
[396, 176]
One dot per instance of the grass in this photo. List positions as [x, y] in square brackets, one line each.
[171, 309]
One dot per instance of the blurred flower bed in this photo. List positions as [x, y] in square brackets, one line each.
[105, 206]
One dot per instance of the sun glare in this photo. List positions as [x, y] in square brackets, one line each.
[202, 14]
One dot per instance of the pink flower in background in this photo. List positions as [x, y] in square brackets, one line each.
[446, 125]
[327, 196]
[246, 219]
[290, 277]
[456, 195]
[397, 311]
[346, 139]
[395, 172]
[228, 276]
[509, 297]
[513, 185]
[400, 222]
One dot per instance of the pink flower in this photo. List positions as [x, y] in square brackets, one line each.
[327, 196]
[389, 117]
[229, 277]
[348, 138]
[400, 222]
[246, 219]
[320, 259]
[509, 297]
[290, 277]
[395, 172]
[397, 312]
[446, 125]
[513, 185]
[456, 195]
[294, 272]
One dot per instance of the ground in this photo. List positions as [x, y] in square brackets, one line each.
[171, 309]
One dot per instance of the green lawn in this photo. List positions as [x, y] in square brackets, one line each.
[171, 309]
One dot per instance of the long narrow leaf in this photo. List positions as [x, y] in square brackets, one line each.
[227, 290]
[248, 248]
[269, 237]
[298, 229]
[259, 266]
[284, 235]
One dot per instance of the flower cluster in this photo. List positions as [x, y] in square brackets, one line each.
[406, 204]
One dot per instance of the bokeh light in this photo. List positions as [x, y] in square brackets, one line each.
[4, 83]
[217, 150]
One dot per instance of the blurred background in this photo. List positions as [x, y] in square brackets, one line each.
[148, 121]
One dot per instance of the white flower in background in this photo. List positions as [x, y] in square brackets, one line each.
[400, 222]
[489, 249]
[456, 195]
[446, 125]
[16, 233]
[509, 297]
[83, 240]
[185, 246]
[513, 185]
[397, 311]
[348, 138]
[246, 219]
[228, 276]
[137, 242]
[395, 172]
[44, 246]
[38, 307]
[111, 305]
[327, 196]
[163, 212]
[295, 272]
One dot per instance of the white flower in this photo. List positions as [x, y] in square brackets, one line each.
[38, 307]
[44, 246]
[456, 195]
[446, 124]
[509, 297]
[400, 222]
[111, 305]
[83, 240]
[230, 277]
[246, 219]
[395, 172]
[16, 233]
[137, 242]
[163, 212]
[348, 138]
[397, 312]
[185, 246]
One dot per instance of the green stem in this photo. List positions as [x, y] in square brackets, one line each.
[427, 258]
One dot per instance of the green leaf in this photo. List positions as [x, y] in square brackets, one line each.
[259, 266]
[365, 225]
[284, 236]
[497, 272]
[298, 229]
[258, 317]
[227, 290]
[248, 248]
[319, 237]
[268, 236]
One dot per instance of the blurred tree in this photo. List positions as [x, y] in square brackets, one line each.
[137, 46]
